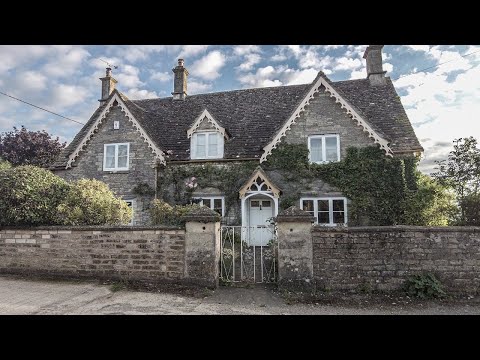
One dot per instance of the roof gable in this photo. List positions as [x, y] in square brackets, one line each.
[205, 115]
[92, 125]
[322, 81]
[259, 182]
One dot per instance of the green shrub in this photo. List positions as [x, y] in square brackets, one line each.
[91, 202]
[424, 286]
[30, 195]
[163, 213]
[4, 164]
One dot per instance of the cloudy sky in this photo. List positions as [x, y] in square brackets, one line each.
[441, 102]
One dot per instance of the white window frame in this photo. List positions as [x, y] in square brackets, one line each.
[116, 168]
[330, 208]
[133, 207]
[193, 145]
[324, 152]
[212, 198]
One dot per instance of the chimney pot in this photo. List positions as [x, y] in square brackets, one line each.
[375, 73]
[109, 71]
[180, 62]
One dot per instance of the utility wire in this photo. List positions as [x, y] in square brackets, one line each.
[434, 66]
[38, 107]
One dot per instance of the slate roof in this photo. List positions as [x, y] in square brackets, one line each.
[252, 117]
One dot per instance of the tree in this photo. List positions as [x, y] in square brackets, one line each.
[24, 147]
[461, 172]
[430, 204]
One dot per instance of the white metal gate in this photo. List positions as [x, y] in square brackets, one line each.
[242, 261]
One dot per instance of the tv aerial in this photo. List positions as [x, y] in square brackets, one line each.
[109, 65]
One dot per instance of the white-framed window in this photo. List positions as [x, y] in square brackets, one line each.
[207, 145]
[327, 211]
[131, 204]
[324, 148]
[216, 203]
[116, 156]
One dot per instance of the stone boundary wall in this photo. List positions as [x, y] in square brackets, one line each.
[154, 254]
[381, 258]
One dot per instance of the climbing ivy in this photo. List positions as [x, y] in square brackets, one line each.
[228, 178]
[379, 187]
[382, 190]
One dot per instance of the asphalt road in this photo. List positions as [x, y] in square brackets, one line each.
[20, 296]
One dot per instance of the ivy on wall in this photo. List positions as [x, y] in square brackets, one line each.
[382, 190]
[377, 185]
[228, 178]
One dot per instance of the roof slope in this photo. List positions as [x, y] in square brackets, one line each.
[253, 116]
[383, 110]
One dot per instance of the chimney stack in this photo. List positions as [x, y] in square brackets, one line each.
[108, 85]
[375, 72]
[180, 81]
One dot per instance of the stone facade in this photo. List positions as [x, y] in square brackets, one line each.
[89, 163]
[154, 254]
[324, 116]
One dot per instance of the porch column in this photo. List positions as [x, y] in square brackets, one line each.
[295, 255]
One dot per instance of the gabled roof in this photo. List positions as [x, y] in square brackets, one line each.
[253, 117]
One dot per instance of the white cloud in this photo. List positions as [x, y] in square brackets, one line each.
[246, 49]
[345, 63]
[281, 75]
[250, 61]
[65, 61]
[13, 56]
[161, 76]
[278, 57]
[64, 96]
[424, 48]
[129, 77]
[208, 67]
[192, 50]
[138, 94]
[197, 87]
[29, 81]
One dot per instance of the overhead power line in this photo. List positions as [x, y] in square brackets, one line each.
[38, 107]
[434, 66]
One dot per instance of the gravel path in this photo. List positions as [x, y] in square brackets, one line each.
[20, 296]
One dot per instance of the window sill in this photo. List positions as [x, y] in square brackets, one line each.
[116, 171]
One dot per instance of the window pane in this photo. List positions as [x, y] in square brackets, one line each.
[200, 145]
[217, 205]
[338, 205]
[110, 158]
[122, 150]
[322, 205]
[308, 205]
[338, 217]
[207, 203]
[323, 217]
[212, 145]
[331, 148]
[316, 149]
[254, 203]
[266, 203]
[122, 162]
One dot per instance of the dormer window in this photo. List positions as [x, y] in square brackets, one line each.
[207, 145]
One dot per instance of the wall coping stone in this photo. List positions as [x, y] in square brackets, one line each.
[91, 227]
[294, 214]
[202, 214]
[395, 228]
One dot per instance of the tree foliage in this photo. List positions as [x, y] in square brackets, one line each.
[461, 172]
[163, 213]
[24, 147]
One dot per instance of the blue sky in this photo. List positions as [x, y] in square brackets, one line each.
[442, 103]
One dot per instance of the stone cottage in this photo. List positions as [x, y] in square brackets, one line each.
[129, 144]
